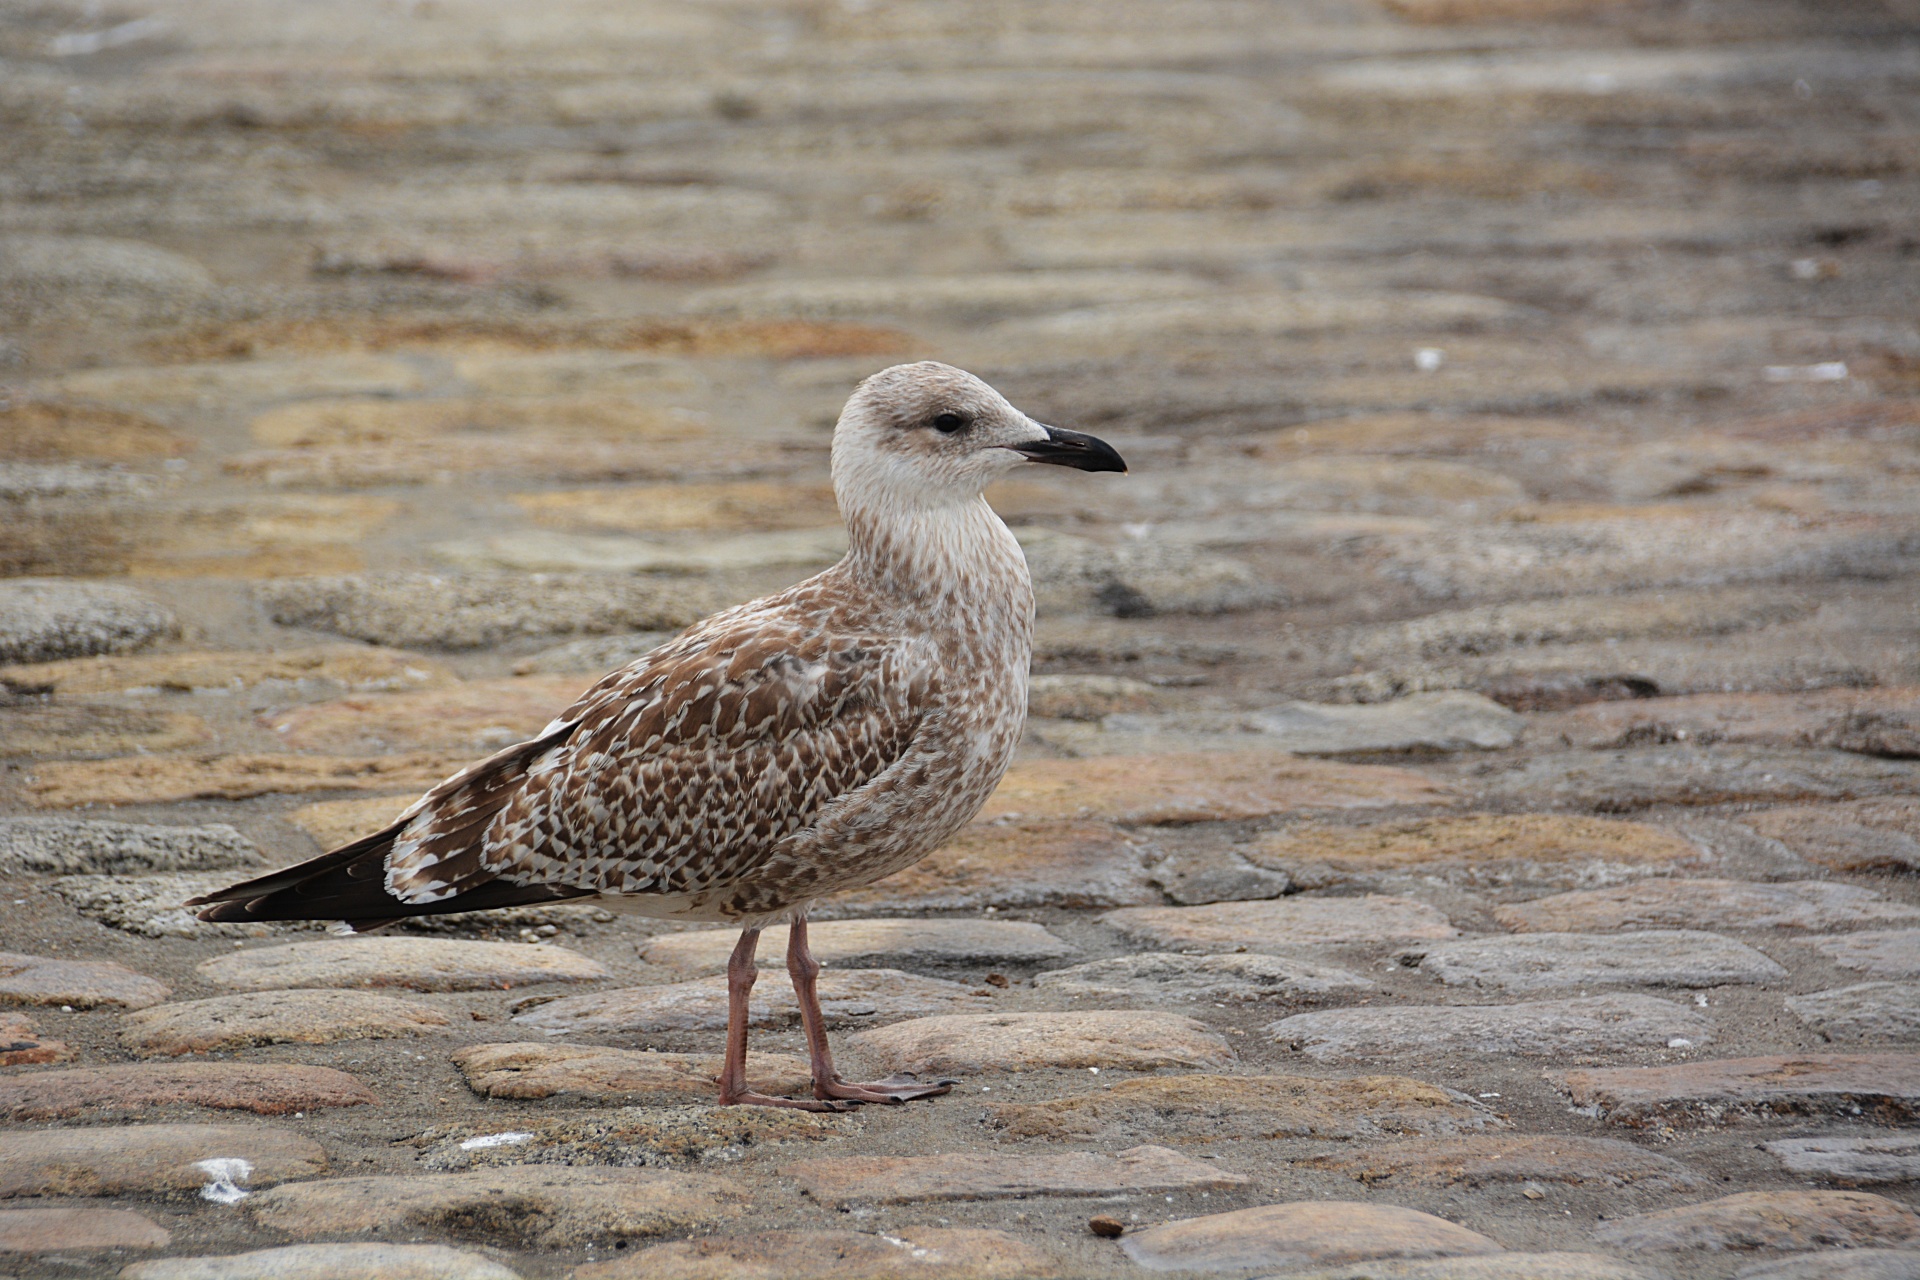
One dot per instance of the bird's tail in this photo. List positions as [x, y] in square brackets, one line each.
[350, 884]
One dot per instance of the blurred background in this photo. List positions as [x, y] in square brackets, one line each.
[503, 333]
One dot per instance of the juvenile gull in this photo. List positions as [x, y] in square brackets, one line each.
[813, 741]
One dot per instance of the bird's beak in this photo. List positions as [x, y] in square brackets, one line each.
[1063, 448]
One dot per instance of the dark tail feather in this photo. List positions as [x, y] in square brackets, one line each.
[350, 884]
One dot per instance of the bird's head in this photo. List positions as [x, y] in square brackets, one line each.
[928, 434]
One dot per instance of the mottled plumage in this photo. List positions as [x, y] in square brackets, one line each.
[815, 740]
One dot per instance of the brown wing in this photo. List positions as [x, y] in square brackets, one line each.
[679, 774]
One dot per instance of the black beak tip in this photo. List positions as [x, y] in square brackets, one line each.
[1063, 448]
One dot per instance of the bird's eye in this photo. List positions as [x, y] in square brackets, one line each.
[948, 423]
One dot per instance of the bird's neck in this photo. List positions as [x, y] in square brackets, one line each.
[959, 559]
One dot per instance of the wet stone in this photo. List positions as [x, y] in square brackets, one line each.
[972, 1043]
[844, 1180]
[77, 1231]
[918, 1252]
[1213, 1108]
[1567, 961]
[266, 1088]
[1479, 851]
[329, 1262]
[855, 942]
[1547, 1028]
[1884, 1087]
[628, 1137]
[1283, 924]
[1184, 787]
[22, 1046]
[41, 619]
[275, 1017]
[848, 997]
[1883, 953]
[1865, 1011]
[528, 1070]
[546, 1207]
[1504, 1159]
[422, 964]
[150, 1158]
[1169, 976]
[1714, 904]
[1075, 865]
[1850, 1162]
[67, 846]
[1279, 1237]
[1767, 1220]
[475, 610]
[84, 984]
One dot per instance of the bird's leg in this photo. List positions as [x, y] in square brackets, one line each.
[733, 1072]
[827, 1084]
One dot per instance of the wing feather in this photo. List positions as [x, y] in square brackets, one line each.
[679, 774]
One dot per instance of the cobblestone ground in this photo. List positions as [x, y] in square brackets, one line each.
[1469, 821]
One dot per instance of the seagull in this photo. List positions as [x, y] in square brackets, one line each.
[813, 741]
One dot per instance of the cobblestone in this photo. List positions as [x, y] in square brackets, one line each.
[844, 1180]
[973, 1042]
[855, 942]
[1744, 1090]
[856, 997]
[1562, 961]
[275, 1017]
[421, 964]
[1546, 1028]
[1294, 1236]
[1768, 1220]
[112, 1160]
[539, 1206]
[83, 984]
[1726, 904]
[1497, 666]
[1282, 925]
[267, 1088]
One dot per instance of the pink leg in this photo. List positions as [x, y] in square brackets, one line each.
[827, 1084]
[733, 1072]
